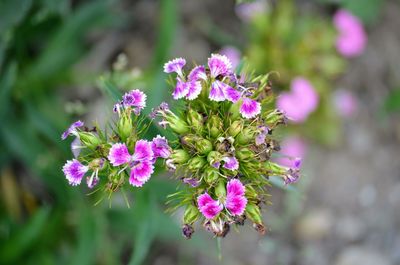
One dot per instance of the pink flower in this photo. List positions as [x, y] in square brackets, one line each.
[119, 154]
[175, 65]
[160, 147]
[74, 171]
[72, 130]
[219, 65]
[181, 90]
[233, 55]
[247, 11]
[231, 163]
[193, 89]
[250, 108]
[346, 103]
[235, 201]
[135, 99]
[352, 38]
[292, 149]
[208, 207]
[300, 101]
[197, 73]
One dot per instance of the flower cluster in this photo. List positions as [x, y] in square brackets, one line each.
[118, 156]
[225, 140]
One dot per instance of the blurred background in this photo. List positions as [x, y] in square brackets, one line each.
[346, 208]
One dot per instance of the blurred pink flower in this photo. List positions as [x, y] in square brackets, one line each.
[247, 11]
[352, 38]
[292, 148]
[345, 102]
[233, 55]
[300, 101]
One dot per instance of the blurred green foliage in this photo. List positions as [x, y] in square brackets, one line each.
[295, 45]
[43, 220]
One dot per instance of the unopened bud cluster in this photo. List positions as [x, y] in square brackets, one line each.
[110, 159]
[225, 142]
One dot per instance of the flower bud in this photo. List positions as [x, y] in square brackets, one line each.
[234, 111]
[196, 163]
[245, 136]
[253, 213]
[214, 158]
[180, 156]
[195, 120]
[214, 126]
[187, 231]
[251, 193]
[191, 214]
[220, 189]
[235, 128]
[203, 146]
[124, 127]
[211, 175]
[260, 228]
[178, 125]
[244, 154]
[89, 139]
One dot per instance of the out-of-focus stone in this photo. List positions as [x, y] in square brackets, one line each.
[361, 256]
[349, 228]
[315, 225]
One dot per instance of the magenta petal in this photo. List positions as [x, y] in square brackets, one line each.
[72, 129]
[231, 163]
[208, 207]
[199, 72]
[236, 204]
[231, 94]
[134, 98]
[194, 89]
[74, 171]
[250, 108]
[119, 154]
[134, 181]
[181, 90]
[291, 148]
[217, 92]
[175, 65]
[219, 65]
[160, 147]
[142, 171]
[235, 188]
[143, 151]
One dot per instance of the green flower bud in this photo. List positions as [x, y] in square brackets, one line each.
[195, 120]
[124, 127]
[251, 192]
[274, 168]
[191, 214]
[204, 146]
[189, 140]
[245, 136]
[214, 157]
[211, 175]
[244, 154]
[214, 126]
[178, 125]
[196, 163]
[234, 111]
[253, 213]
[180, 156]
[235, 128]
[220, 189]
[89, 139]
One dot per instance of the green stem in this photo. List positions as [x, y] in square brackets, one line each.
[219, 248]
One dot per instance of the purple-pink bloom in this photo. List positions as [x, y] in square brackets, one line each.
[181, 90]
[74, 171]
[72, 129]
[119, 155]
[247, 11]
[292, 149]
[208, 207]
[197, 73]
[136, 99]
[235, 200]
[231, 94]
[300, 101]
[141, 173]
[191, 181]
[92, 181]
[262, 134]
[160, 147]
[231, 163]
[352, 38]
[175, 65]
[250, 108]
[219, 65]
[194, 89]
[233, 55]
[217, 92]
[143, 151]
[345, 102]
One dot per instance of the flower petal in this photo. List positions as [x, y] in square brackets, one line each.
[219, 65]
[235, 188]
[175, 65]
[217, 92]
[231, 163]
[74, 171]
[231, 94]
[143, 151]
[142, 171]
[181, 90]
[199, 72]
[250, 108]
[236, 204]
[208, 207]
[134, 98]
[119, 155]
[72, 129]
[160, 147]
[194, 89]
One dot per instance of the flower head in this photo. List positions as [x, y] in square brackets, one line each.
[119, 154]
[219, 65]
[175, 65]
[135, 99]
[160, 147]
[74, 171]
[208, 206]
[72, 130]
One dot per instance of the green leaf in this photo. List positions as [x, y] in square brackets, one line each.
[8, 15]
[392, 101]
